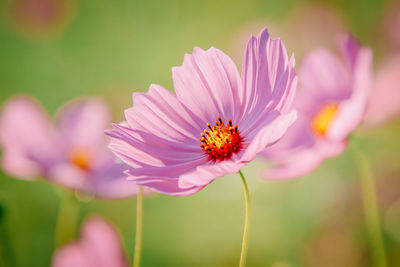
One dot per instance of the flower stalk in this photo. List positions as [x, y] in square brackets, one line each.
[243, 254]
[138, 234]
[67, 218]
[371, 210]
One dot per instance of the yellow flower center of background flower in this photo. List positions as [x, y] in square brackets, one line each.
[81, 157]
[221, 141]
[323, 119]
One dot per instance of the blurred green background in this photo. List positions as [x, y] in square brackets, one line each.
[61, 49]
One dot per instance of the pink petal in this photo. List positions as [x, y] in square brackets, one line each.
[352, 111]
[268, 135]
[384, 101]
[159, 112]
[71, 255]
[82, 122]
[299, 162]
[141, 149]
[322, 76]
[111, 182]
[268, 77]
[99, 246]
[205, 174]
[70, 176]
[208, 82]
[298, 136]
[27, 137]
[164, 185]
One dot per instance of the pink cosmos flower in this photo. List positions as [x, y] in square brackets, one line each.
[331, 103]
[98, 246]
[215, 123]
[71, 152]
[384, 102]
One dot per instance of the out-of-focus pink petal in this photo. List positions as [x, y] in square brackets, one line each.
[352, 111]
[82, 122]
[208, 82]
[70, 176]
[99, 246]
[384, 101]
[71, 255]
[112, 182]
[322, 76]
[300, 162]
[27, 137]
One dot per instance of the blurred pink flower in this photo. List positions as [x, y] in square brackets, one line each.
[99, 245]
[172, 142]
[41, 18]
[331, 103]
[384, 102]
[71, 152]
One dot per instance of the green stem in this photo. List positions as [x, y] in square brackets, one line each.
[138, 235]
[7, 256]
[243, 253]
[371, 210]
[67, 219]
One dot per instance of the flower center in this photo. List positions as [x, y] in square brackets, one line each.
[81, 157]
[221, 141]
[323, 119]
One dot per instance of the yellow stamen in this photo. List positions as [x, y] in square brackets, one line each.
[81, 157]
[221, 141]
[323, 119]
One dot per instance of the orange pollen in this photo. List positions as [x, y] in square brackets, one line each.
[221, 141]
[323, 119]
[81, 157]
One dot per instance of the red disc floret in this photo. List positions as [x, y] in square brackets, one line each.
[221, 141]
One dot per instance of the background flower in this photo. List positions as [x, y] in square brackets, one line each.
[331, 102]
[71, 152]
[99, 245]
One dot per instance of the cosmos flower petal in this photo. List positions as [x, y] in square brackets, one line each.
[160, 112]
[352, 111]
[268, 77]
[205, 174]
[27, 138]
[81, 121]
[268, 135]
[99, 245]
[208, 82]
[147, 149]
[164, 185]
